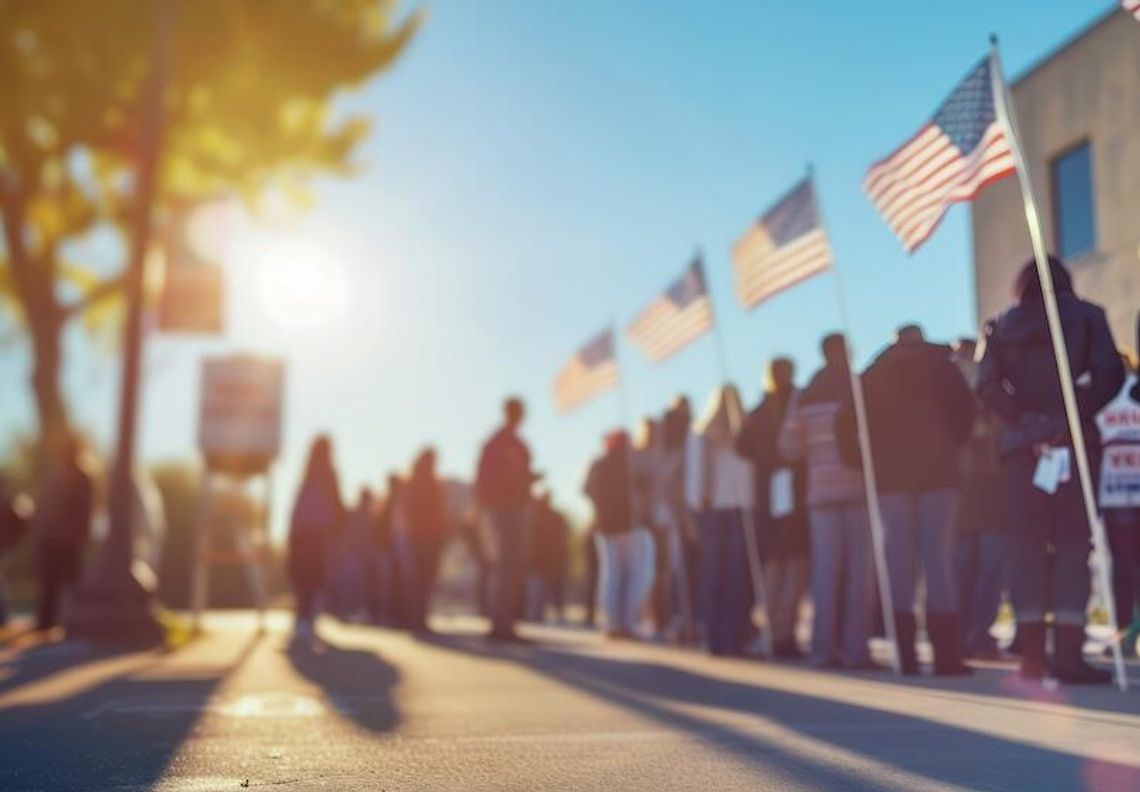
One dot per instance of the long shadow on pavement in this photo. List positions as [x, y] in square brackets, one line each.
[119, 733]
[941, 753]
[357, 682]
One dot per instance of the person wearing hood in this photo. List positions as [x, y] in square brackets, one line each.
[1017, 379]
[318, 513]
[426, 528]
[842, 566]
[919, 415]
[781, 507]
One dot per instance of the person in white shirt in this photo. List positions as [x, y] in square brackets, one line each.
[719, 487]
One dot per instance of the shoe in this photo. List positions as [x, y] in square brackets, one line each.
[1031, 637]
[943, 631]
[905, 629]
[1070, 666]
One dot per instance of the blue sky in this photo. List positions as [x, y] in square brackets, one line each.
[538, 169]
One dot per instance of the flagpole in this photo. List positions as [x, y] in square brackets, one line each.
[736, 421]
[1006, 115]
[870, 483]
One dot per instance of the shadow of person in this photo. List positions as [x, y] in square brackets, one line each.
[778, 729]
[120, 729]
[357, 683]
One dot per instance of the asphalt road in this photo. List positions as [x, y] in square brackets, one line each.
[383, 711]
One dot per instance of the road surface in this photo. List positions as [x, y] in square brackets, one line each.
[380, 710]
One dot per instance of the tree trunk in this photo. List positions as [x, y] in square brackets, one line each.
[46, 331]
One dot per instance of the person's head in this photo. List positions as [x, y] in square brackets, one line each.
[650, 433]
[834, 348]
[723, 409]
[965, 348]
[781, 375]
[514, 412]
[616, 440]
[366, 497]
[677, 420]
[320, 455]
[424, 464]
[395, 483]
[1027, 284]
[909, 334]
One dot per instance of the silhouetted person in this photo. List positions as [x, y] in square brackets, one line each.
[318, 514]
[62, 526]
[621, 550]
[502, 486]
[1049, 532]
[781, 506]
[719, 484]
[679, 523]
[654, 473]
[842, 566]
[427, 524]
[549, 560]
[357, 558]
[16, 512]
[983, 522]
[388, 592]
[919, 414]
[1119, 500]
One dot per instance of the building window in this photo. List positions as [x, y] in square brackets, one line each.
[1074, 215]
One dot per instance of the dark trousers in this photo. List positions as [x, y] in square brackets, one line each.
[425, 561]
[509, 526]
[981, 574]
[724, 591]
[59, 568]
[1049, 546]
[1123, 529]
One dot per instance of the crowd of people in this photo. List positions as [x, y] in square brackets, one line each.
[698, 524]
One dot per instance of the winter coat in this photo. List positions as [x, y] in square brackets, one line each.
[607, 487]
[808, 434]
[919, 413]
[759, 442]
[504, 476]
[1017, 378]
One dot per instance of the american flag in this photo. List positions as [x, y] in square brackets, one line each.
[955, 155]
[1132, 7]
[591, 371]
[675, 318]
[785, 246]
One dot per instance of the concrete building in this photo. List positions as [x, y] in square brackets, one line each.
[1079, 113]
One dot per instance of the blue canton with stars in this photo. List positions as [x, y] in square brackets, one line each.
[968, 112]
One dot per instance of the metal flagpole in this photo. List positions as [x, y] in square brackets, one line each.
[870, 485]
[1006, 116]
[736, 422]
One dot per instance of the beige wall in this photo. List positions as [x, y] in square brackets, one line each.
[1089, 90]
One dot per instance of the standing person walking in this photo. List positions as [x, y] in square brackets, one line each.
[318, 514]
[427, 524]
[983, 522]
[1050, 534]
[1119, 499]
[502, 487]
[719, 485]
[62, 526]
[919, 414]
[678, 523]
[842, 566]
[781, 506]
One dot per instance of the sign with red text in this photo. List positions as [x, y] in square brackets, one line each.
[239, 424]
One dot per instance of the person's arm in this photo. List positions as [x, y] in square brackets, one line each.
[960, 405]
[791, 437]
[994, 390]
[1105, 367]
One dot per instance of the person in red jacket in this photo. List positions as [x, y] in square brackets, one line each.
[502, 487]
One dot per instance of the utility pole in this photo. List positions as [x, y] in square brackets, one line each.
[113, 604]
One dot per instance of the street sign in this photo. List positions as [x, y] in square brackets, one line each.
[239, 425]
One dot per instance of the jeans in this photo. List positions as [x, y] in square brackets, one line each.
[1049, 546]
[725, 594]
[921, 527]
[981, 573]
[509, 527]
[626, 576]
[842, 583]
[1123, 529]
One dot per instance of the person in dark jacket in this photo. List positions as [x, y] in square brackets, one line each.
[781, 506]
[16, 512]
[426, 523]
[502, 487]
[318, 514]
[842, 566]
[386, 603]
[982, 524]
[549, 559]
[1018, 380]
[919, 414]
[62, 526]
